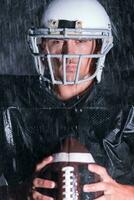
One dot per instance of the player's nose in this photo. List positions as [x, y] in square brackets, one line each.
[69, 47]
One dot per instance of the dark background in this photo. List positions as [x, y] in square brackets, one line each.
[16, 16]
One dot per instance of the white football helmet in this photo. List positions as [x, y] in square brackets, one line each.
[76, 20]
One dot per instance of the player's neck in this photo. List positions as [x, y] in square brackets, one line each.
[66, 92]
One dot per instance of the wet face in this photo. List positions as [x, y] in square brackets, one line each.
[70, 47]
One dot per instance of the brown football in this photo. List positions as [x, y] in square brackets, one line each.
[69, 170]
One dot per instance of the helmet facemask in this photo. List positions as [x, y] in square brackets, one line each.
[61, 66]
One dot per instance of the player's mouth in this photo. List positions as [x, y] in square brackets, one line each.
[71, 68]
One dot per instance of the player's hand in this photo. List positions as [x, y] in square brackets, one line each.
[112, 190]
[41, 183]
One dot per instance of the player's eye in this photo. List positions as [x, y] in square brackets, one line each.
[57, 41]
[81, 41]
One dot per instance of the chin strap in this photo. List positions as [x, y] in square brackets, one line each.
[99, 74]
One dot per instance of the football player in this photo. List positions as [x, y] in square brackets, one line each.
[72, 96]
[69, 52]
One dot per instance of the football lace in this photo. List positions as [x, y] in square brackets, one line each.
[70, 191]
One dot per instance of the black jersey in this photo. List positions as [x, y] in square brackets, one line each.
[33, 121]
